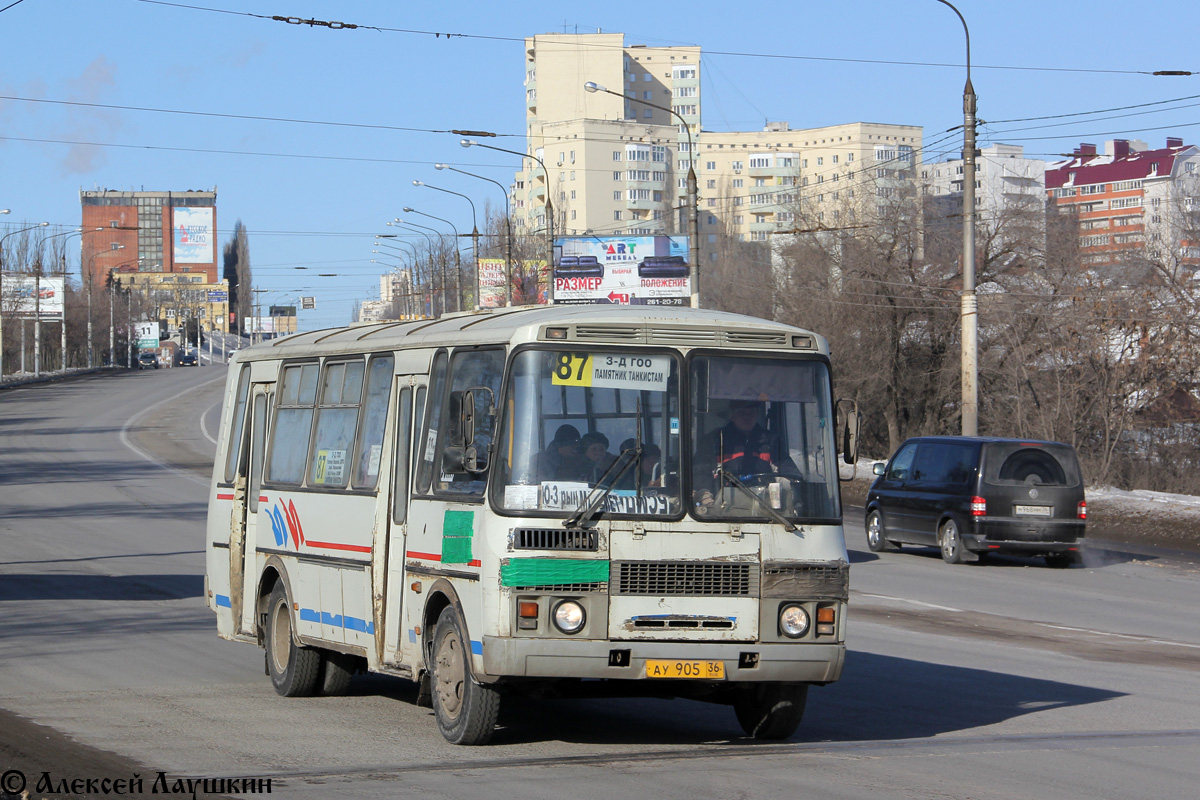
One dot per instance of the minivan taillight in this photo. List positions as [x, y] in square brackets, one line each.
[1081, 510]
[978, 507]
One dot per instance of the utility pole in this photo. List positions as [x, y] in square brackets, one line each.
[257, 315]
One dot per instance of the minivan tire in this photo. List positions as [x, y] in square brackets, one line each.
[950, 542]
[876, 534]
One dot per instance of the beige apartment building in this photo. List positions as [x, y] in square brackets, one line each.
[618, 167]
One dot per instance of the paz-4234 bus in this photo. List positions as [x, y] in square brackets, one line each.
[531, 500]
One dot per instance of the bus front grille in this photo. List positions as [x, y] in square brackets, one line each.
[685, 578]
[577, 539]
[828, 580]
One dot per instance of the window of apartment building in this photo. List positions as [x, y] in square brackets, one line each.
[658, 176]
[659, 154]
[835, 159]
[572, 174]
[737, 183]
[688, 110]
[712, 220]
[1093, 241]
[617, 216]
[572, 194]
[638, 175]
[820, 179]
[710, 165]
[849, 157]
[788, 181]
[737, 201]
[616, 175]
[681, 183]
[710, 184]
[712, 202]
[684, 164]
[1093, 188]
[760, 181]
[686, 91]
[737, 166]
[760, 162]
[820, 161]
[804, 181]
[683, 72]
[1125, 186]
[1125, 202]
[1154, 202]
[617, 194]
[738, 219]
[685, 147]
[658, 213]
[820, 198]
[616, 155]
[646, 77]
[572, 213]
[804, 163]
[639, 194]
[648, 113]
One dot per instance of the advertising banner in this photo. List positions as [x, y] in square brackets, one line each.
[192, 235]
[530, 283]
[27, 296]
[625, 270]
[258, 324]
[147, 335]
[308, 303]
[218, 296]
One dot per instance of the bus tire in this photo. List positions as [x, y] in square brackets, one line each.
[294, 670]
[466, 711]
[770, 710]
[336, 671]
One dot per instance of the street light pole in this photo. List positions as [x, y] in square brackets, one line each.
[692, 188]
[2, 240]
[474, 237]
[549, 207]
[413, 225]
[508, 230]
[970, 302]
[457, 257]
[399, 223]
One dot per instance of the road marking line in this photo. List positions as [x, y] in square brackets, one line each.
[1117, 635]
[910, 602]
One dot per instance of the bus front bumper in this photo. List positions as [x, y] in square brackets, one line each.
[744, 661]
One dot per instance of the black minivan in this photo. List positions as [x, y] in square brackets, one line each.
[969, 495]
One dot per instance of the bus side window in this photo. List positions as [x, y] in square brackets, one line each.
[257, 445]
[374, 419]
[418, 439]
[293, 424]
[432, 427]
[236, 441]
[401, 451]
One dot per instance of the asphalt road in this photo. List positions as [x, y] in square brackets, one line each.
[1003, 680]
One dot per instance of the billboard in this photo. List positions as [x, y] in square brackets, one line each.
[147, 335]
[192, 235]
[625, 270]
[27, 296]
[530, 283]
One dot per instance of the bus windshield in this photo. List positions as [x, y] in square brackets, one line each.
[762, 438]
[596, 426]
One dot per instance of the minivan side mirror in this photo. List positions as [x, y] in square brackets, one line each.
[879, 468]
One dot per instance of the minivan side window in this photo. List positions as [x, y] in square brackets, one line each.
[901, 465]
[944, 463]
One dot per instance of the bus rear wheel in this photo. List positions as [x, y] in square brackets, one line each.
[770, 710]
[294, 670]
[466, 711]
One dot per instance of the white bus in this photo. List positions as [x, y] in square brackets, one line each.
[522, 499]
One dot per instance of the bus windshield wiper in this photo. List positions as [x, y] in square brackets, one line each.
[625, 460]
[772, 513]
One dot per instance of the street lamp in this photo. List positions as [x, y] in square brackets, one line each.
[429, 239]
[507, 225]
[457, 257]
[2, 240]
[970, 304]
[474, 236]
[692, 188]
[549, 204]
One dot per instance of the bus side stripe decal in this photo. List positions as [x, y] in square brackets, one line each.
[224, 497]
[357, 548]
[337, 620]
[223, 601]
[435, 557]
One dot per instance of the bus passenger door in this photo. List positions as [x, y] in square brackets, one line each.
[397, 522]
[256, 430]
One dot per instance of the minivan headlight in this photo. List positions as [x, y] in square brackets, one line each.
[569, 616]
[793, 621]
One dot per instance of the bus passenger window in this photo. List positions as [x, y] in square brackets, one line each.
[293, 424]
[337, 420]
[432, 426]
[370, 435]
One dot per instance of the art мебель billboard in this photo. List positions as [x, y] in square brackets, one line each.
[192, 235]
[628, 270]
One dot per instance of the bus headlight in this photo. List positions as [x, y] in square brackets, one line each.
[569, 616]
[793, 621]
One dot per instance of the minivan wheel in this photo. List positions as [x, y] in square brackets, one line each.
[875, 533]
[951, 543]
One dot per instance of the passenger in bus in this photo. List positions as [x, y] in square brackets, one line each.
[744, 448]
[561, 460]
[595, 448]
[651, 456]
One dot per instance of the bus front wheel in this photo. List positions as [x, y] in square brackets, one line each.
[294, 670]
[466, 711]
[770, 710]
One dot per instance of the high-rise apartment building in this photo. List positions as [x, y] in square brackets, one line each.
[1131, 202]
[618, 166]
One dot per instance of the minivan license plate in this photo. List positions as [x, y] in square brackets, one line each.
[1034, 511]
[671, 668]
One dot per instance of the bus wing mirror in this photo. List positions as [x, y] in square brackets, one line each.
[849, 421]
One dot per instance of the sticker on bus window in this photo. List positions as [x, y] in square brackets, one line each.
[430, 444]
[373, 459]
[331, 466]
[519, 497]
[562, 495]
[637, 372]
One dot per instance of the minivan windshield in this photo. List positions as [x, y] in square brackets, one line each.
[1034, 463]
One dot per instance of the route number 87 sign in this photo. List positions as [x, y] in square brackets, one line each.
[639, 372]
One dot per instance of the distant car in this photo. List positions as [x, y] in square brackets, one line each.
[147, 361]
[189, 360]
[969, 495]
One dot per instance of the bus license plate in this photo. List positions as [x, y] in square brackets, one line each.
[668, 668]
[1034, 511]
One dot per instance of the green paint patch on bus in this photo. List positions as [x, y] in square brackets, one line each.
[458, 528]
[551, 571]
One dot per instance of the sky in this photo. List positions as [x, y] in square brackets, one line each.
[313, 134]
